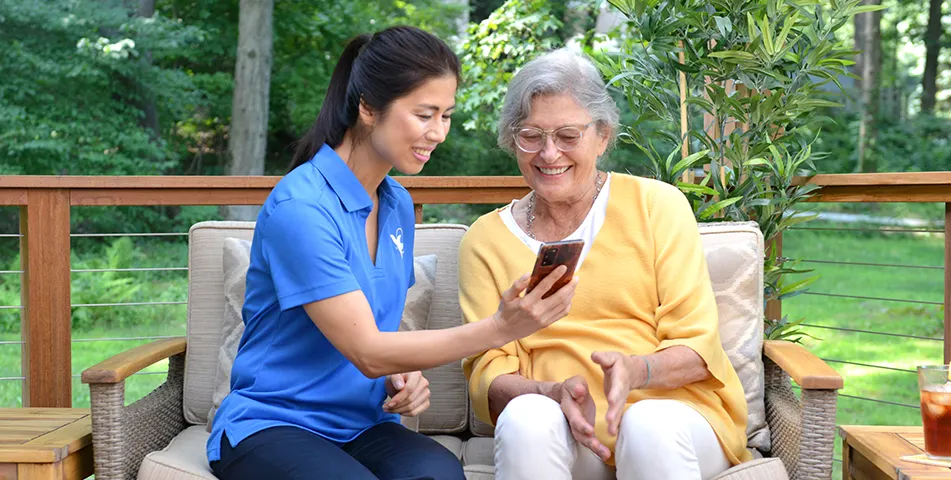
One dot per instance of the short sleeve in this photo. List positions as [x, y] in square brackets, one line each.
[479, 298]
[306, 254]
[687, 311]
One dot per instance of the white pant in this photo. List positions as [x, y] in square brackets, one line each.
[658, 439]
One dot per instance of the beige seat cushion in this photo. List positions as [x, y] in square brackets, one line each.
[183, 459]
[479, 472]
[479, 451]
[453, 444]
[761, 469]
[478, 458]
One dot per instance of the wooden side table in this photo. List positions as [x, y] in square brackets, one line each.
[872, 453]
[45, 443]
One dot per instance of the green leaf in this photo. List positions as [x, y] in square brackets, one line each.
[868, 8]
[734, 55]
[714, 208]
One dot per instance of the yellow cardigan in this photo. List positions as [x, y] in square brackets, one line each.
[644, 287]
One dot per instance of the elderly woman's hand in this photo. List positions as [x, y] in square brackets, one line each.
[580, 411]
[622, 373]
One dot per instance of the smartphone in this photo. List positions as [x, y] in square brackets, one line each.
[550, 256]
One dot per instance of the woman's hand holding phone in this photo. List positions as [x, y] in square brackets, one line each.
[522, 315]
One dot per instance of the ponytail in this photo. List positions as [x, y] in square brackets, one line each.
[339, 110]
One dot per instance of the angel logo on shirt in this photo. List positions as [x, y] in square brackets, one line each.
[398, 240]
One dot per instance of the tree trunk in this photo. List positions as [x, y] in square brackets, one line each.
[578, 18]
[609, 18]
[933, 45]
[871, 37]
[462, 21]
[860, 56]
[150, 118]
[247, 137]
[146, 8]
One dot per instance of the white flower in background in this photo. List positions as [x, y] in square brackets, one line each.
[118, 51]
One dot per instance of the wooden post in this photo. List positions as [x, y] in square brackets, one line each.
[688, 176]
[685, 149]
[418, 208]
[774, 308]
[46, 318]
[947, 283]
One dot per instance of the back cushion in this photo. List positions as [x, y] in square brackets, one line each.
[206, 314]
[734, 254]
[449, 401]
[206, 310]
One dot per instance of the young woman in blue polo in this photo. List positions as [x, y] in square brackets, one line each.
[331, 261]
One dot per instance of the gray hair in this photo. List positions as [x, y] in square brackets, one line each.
[558, 72]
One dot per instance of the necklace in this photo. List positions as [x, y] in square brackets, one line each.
[530, 213]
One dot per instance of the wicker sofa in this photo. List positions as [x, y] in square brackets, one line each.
[163, 435]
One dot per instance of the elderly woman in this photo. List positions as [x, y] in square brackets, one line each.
[633, 383]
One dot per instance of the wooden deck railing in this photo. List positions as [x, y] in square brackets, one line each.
[45, 244]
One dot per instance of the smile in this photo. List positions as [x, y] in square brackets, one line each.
[422, 154]
[553, 171]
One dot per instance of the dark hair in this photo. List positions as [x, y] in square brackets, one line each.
[377, 69]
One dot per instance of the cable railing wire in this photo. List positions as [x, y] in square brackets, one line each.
[164, 372]
[863, 264]
[887, 334]
[121, 339]
[868, 399]
[125, 304]
[100, 235]
[886, 402]
[892, 230]
[104, 270]
[136, 269]
[859, 297]
[880, 367]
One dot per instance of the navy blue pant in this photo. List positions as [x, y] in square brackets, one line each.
[387, 451]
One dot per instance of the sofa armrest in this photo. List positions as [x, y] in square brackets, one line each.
[123, 434]
[806, 369]
[119, 367]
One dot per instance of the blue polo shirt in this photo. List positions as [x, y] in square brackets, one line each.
[310, 244]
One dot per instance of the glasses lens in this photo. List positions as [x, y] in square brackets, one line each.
[567, 138]
[530, 140]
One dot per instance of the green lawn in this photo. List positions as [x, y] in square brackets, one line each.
[872, 315]
[86, 354]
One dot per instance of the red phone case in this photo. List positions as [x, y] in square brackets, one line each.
[550, 256]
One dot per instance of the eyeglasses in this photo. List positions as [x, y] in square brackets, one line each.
[532, 140]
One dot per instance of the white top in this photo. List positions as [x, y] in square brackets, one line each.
[588, 229]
